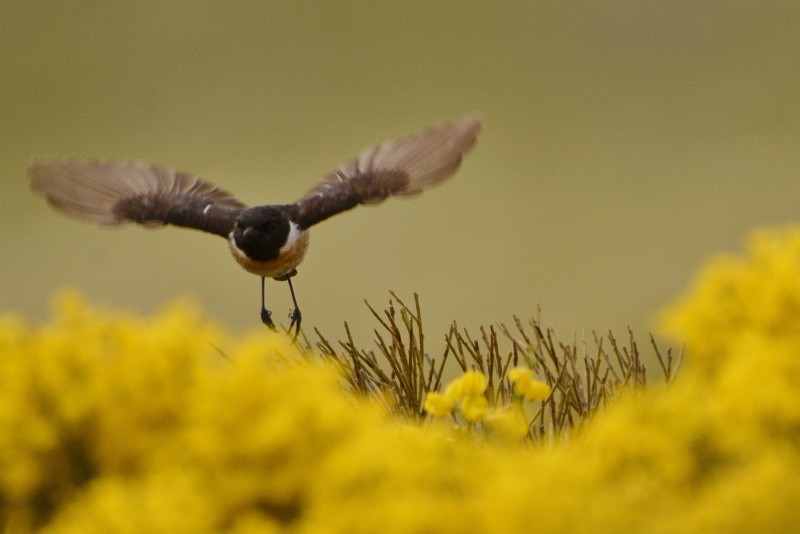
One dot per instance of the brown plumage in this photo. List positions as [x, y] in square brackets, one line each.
[268, 240]
[402, 167]
[116, 193]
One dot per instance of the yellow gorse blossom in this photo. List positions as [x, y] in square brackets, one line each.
[509, 422]
[734, 297]
[470, 384]
[115, 423]
[467, 394]
[439, 405]
[474, 407]
[464, 394]
[526, 385]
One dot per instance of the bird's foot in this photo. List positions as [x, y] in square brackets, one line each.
[295, 317]
[266, 318]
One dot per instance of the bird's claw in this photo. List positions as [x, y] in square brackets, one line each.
[266, 318]
[295, 317]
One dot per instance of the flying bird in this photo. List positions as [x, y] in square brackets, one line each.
[268, 240]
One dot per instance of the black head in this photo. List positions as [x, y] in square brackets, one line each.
[260, 232]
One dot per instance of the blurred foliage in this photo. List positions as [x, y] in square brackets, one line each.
[113, 422]
[582, 376]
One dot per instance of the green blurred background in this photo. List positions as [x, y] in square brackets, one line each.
[624, 144]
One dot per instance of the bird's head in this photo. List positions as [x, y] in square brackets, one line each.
[260, 232]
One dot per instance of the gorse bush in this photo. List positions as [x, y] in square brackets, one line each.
[116, 423]
[579, 378]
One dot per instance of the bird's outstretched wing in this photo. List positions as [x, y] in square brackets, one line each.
[402, 167]
[116, 193]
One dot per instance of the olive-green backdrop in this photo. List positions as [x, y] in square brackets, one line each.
[624, 144]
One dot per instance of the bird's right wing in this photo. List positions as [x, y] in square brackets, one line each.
[394, 168]
[116, 193]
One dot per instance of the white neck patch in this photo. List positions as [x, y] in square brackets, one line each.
[294, 234]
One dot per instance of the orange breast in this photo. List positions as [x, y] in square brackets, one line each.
[283, 264]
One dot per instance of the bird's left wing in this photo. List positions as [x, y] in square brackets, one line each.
[116, 193]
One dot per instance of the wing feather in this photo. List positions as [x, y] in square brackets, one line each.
[393, 168]
[116, 193]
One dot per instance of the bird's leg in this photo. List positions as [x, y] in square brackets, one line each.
[266, 315]
[295, 316]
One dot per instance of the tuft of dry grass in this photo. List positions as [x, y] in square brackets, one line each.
[584, 375]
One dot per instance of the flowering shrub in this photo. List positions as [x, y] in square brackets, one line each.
[464, 399]
[114, 423]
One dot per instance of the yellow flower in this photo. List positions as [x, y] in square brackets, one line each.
[758, 294]
[475, 383]
[128, 424]
[466, 394]
[527, 386]
[533, 389]
[439, 405]
[509, 423]
[518, 374]
[469, 384]
[474, 408]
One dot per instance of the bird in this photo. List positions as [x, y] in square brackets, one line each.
[267, 240]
